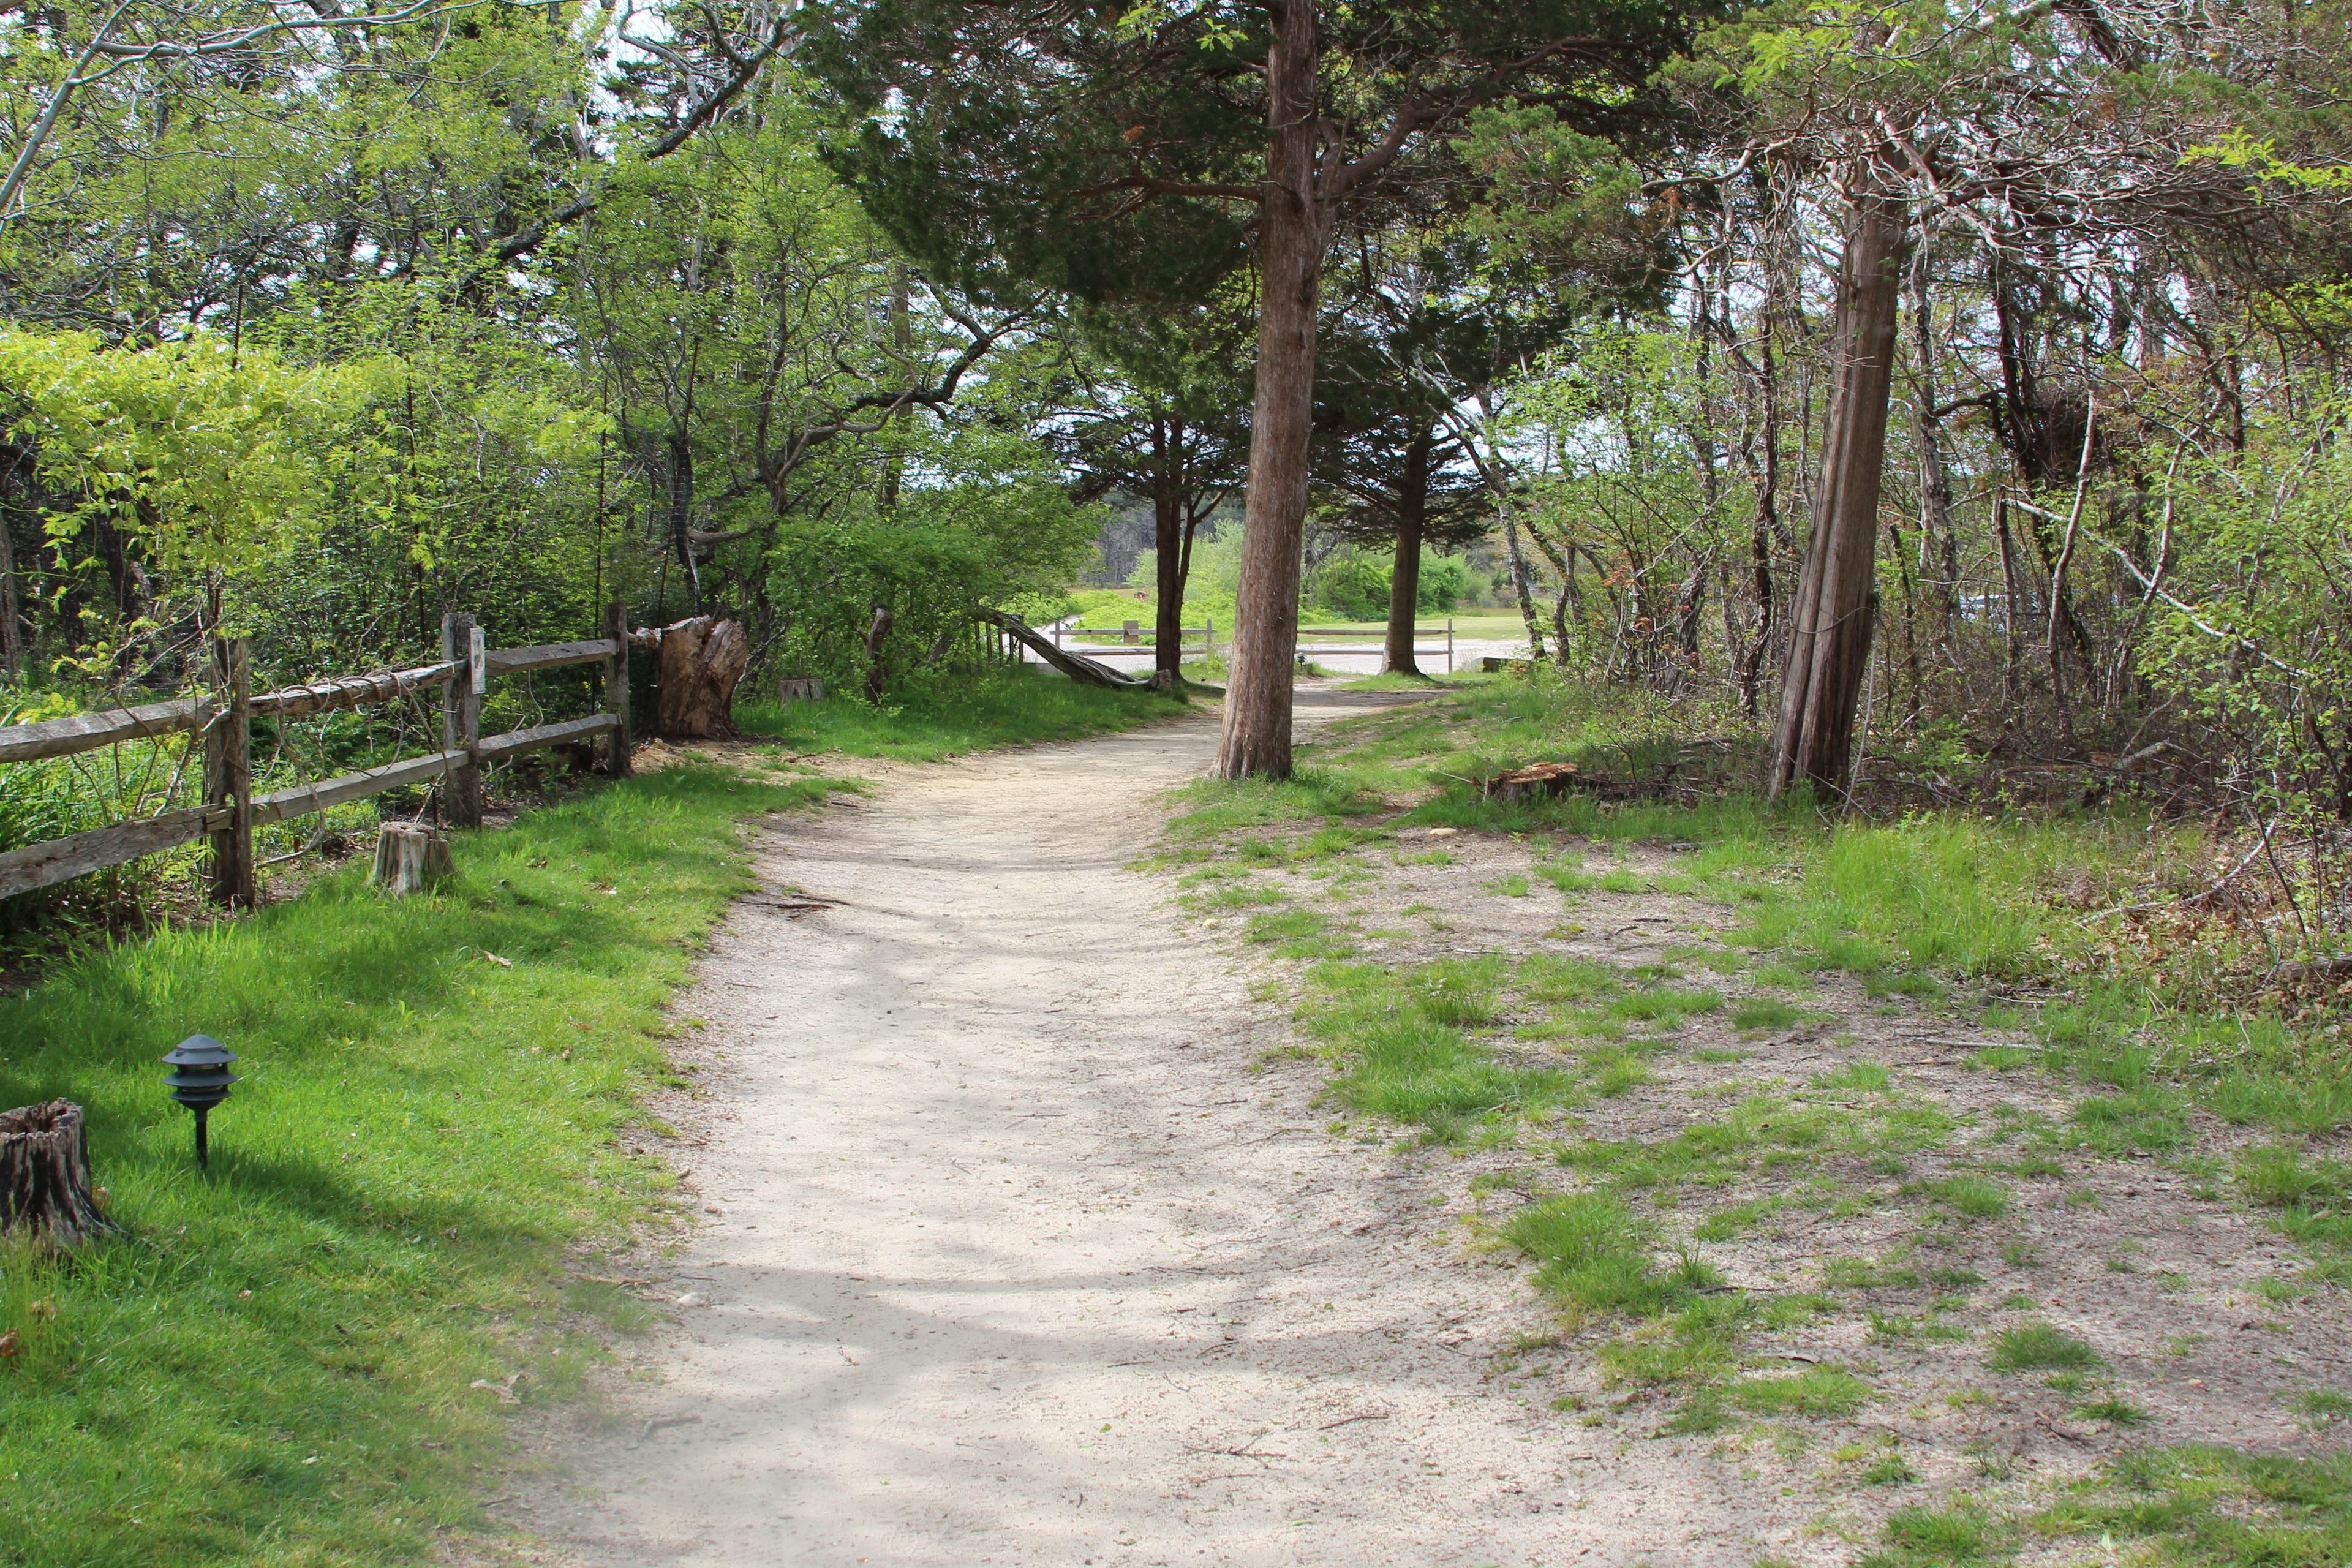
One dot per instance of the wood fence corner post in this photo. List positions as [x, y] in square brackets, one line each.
[461, 721]
[616, 688]
[228, 775]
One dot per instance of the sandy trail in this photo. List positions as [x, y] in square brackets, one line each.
[1025, 1257]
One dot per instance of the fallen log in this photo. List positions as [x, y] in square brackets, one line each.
[1076, 666]
[45, 1188]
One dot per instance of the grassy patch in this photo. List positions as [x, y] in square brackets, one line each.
[1017, 707]
[1817, 1390]
[1764, 1012]
[1591, 1253]
[1955, 1537]
[277, 1366]
[1971, 1197]
[1400, 1038]
[2032, 1346]
[2215, 1507]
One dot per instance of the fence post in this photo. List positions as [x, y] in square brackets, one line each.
[1449, 644]
[616, 688]
[461, 721]
[1210, 635]
[228, 773]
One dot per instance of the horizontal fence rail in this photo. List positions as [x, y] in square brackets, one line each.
[1135, 637]
[223, 720]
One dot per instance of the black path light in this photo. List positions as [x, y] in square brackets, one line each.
[199, 1079]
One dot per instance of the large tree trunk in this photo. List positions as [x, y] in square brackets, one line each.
[1831, 622]
[45, 1187]
[701, 662]
[1404, 580]
[1291, 232]
[12, 459]
[1168, 543]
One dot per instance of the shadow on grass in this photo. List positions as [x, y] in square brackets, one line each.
[279, 1365]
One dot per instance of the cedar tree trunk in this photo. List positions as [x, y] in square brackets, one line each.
[1167, 543]
[1293, 224]
[1831, 621]
[1404, 580]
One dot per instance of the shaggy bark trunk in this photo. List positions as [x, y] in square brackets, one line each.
[1404, 582]
[700, 663]
[11, 650]
[1831, 622]
[876, 634]
[1167, 543]
[45, 1187]
[1292, 229]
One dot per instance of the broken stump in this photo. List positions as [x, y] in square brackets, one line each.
[409, 859]
[1538, 781]
[45, 1189]
[794, 688]
[699, 664]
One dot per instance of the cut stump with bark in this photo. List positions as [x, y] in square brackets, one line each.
[794, 688]
[1538, 781]
[45, 1188]
[1544, 781]
[409, 859]
[700, 663]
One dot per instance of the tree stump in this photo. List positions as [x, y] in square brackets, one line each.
[794, 688]
[701, 662]
[409, 859]
[45, 1187]
[1539, 781]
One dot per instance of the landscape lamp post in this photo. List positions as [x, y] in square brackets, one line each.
[200, 1080]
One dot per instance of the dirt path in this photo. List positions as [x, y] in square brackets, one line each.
[1022, 1256]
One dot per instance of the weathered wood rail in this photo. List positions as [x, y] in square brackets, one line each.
[220, 717]
[1136, 637]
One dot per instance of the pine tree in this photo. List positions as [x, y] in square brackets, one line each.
[1142, 152]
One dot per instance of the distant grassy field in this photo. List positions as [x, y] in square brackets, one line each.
[1482, 625]
[1023, 705]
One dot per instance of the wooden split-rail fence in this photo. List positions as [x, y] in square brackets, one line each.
[1308, 646]
[222, 717]
[1136, 637]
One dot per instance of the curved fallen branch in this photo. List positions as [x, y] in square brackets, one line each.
[1076, 666]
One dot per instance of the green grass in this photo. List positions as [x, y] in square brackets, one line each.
[273, 1367]
[1764, 1012]
[1016, 706]
[1591, 1253]
[1971, 1197]
[1399, 1037]
[1959, 1536]
[2032, 1346]
[2214, 1508]
[1817, 1390]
